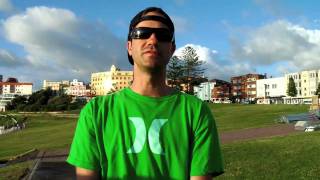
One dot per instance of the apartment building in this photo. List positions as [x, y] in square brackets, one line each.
[221, 93]
[77, 88]
[205, 91]
[13, 86]
[108, 81]
[55, 85]
[306, 83]
[10, 88]
[244, 87]
[271, 91]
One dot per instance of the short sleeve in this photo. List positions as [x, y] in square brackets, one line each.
[84, 150]
[206, 156]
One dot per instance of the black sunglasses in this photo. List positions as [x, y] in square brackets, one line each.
[162, 34]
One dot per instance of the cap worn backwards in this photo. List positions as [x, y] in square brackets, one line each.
[142, 17]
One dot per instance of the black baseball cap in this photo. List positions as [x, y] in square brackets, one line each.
[141, 17]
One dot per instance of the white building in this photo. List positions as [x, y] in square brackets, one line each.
[271, 90]
[77, 88]
[10, 88]
[306, 83]
[204, 90]
[55, 85]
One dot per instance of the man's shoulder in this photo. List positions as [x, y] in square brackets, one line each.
[103, 98]
[101, 101]
[190, 98]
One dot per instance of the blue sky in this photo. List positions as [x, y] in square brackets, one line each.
[64, 39]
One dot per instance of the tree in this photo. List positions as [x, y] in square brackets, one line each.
[175, 71]
[17, 103]
[318, 90]
[192, 67]
[59, 103]
[41, 97]
[292, 90]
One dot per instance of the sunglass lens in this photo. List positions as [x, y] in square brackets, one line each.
[162, 34]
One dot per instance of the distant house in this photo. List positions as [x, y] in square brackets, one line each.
[243, 87]
[215, 90]
[11, 88]
[271, 91]
[306, 83]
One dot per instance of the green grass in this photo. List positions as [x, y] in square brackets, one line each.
[238, 116]
[42, 132]
[291, 157]
[14, 171]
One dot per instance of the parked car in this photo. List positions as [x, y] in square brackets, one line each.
[312, 128]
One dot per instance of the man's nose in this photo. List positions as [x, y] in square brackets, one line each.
[152, 39]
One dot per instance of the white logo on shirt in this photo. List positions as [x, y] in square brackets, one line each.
[141, 133]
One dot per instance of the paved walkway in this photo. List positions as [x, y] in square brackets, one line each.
[254, 133]
[51, 165]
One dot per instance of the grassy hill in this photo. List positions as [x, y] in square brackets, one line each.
[241, 116]
[292, 157]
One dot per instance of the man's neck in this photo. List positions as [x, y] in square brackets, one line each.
[150, 85]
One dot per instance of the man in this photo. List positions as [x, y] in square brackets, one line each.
[149, 130]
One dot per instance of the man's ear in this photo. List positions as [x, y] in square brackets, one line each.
[129, 47]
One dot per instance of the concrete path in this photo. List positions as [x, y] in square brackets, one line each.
[255, 133]
[51, 165]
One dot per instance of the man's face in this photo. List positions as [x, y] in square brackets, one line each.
[150, 53]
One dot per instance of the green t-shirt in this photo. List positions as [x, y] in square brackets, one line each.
[129, 136]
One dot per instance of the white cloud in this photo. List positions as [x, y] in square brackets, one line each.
[6, 6]
[216, 68]
[280, 41]
[8, 59]
[58, 42]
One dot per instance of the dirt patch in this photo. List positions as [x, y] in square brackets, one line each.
[254, 133]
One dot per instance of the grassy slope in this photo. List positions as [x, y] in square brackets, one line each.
[237, 116]
[14, 171]
[290, 157]
[43, 132]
